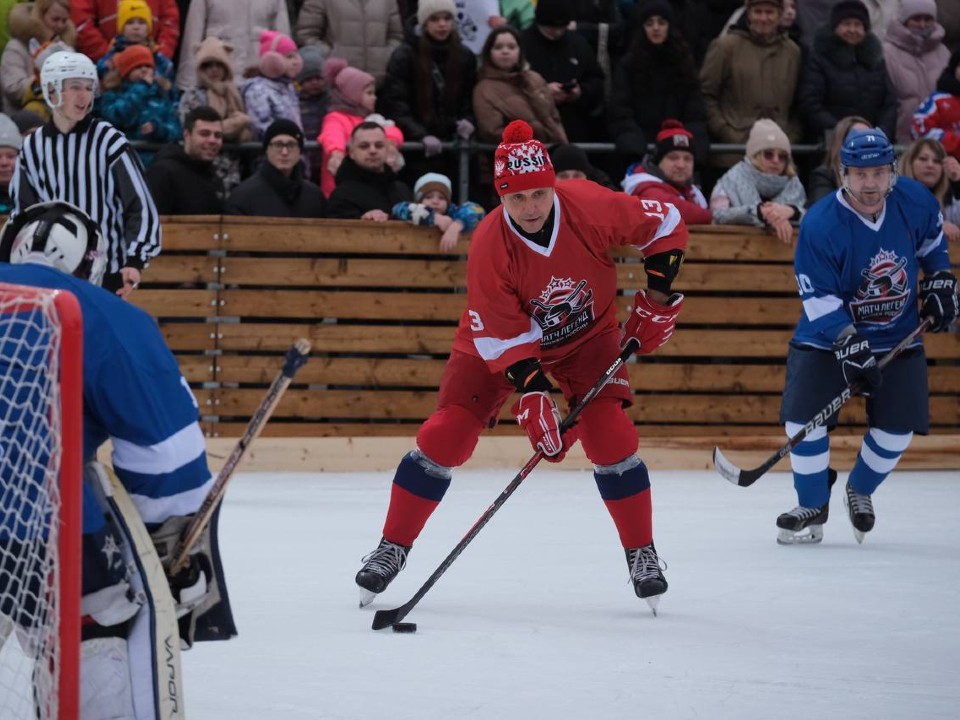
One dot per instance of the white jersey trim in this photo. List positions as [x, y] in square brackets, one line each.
[164, 457]
[539, 249]
[817, 307]
[667, 225]
[492, 348]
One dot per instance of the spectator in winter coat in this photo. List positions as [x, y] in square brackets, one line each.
[915, 56]
[271, 96]
[939, 115]
[10, 142]
[135, 27]
[236, 22]
[507, 90]
[432, 207]
[32, 26]
[367, 189]
[278, 188]
[926, 161]
[569, 65]
[570, 162]
[669, 177]
[137, 102]
[364, 34]
[845, 74]
[314, 103]
[183, 180]
[814, 14]
[429, 85]
[751, 73]
[825, 178]
[353, 98]
[217, 88]
[97, 23]
[762, 189]
[656, 80]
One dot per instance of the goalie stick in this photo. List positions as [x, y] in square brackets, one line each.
[745, 478]
[386, 618]
[295, 359]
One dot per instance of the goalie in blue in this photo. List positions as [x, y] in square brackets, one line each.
[135, 395]
[858, 266]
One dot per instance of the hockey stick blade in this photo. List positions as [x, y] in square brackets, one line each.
[385, 618]
[745, 478]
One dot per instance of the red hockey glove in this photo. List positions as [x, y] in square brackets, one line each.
[651, 323]
[537, 414]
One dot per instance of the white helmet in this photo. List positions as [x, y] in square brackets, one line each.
[58, 235]
[62, 66]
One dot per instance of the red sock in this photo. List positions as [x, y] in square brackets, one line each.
[407, 515]
[633, 516]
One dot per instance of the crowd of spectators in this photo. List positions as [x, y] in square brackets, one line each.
[331, 90]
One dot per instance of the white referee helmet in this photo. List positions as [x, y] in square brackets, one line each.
[58, 235]
[63, 66]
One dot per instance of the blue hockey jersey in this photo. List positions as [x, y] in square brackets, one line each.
[134, 394]
[853, 271]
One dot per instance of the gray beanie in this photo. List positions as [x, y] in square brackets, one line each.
[9, 134]
[312, 57]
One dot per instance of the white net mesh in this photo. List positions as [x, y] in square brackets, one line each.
[30, 450]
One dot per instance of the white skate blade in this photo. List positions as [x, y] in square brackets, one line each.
[366, 597]
[859, 535]
[654, 602]
[800, 537]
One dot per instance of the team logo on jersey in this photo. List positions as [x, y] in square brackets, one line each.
[562, 310]
[883, 291]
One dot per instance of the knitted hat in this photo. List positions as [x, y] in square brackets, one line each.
[282, 126]
[426, 8]
[672, 136]
[9, 135]
[766, 135]
[134, 56]
[554, 13]
[312, 57]
[520, 162]
[655, 7]
[284, 44]
[911, 8]
[570, 157]
[349, 81]
[128, 9]
[274, 49]
[850, 9]
[432, 181]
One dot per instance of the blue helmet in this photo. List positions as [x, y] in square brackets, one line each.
[866, 148]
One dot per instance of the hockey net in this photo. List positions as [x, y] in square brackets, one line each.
[40, 502]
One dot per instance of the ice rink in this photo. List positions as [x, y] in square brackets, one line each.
[536, 619]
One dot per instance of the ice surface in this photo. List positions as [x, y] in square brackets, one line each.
[536, 619]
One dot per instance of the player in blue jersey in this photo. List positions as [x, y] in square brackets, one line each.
[858, 265]
[135, 395]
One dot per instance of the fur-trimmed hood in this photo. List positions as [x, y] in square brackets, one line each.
[214, 49]
[23, 26]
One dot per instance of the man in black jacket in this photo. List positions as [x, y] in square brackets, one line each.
[366, 188]
[278, 188]
[183, 180]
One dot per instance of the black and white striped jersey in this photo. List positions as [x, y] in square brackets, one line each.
[94, 168]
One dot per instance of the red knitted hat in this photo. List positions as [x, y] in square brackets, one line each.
[672, 136]
[134, 56]
[520, 162]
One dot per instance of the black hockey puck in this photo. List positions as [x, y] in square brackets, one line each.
[405, 627]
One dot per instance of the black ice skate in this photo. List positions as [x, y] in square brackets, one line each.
[379, 569]
[793, 524]
[646, 574]
[860, 510]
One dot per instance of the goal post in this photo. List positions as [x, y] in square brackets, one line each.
[41, 467]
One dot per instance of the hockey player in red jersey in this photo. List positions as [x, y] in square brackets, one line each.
[541, 296]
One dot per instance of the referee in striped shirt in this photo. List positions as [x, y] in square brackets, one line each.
[87, 162]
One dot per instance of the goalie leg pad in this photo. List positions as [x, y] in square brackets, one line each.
[105, 688]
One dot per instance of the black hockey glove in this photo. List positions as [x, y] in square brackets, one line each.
[857, 361]
[938, 299]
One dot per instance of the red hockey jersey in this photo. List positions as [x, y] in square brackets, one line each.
[525, 300]
[938, 117]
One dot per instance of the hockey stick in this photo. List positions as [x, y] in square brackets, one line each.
[745, 478]
[296, 358]
[386, 618]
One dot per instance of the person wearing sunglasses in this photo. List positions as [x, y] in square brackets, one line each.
[278, 188]
[762, 189]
